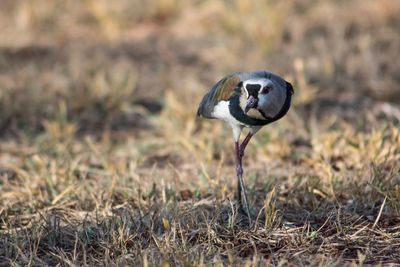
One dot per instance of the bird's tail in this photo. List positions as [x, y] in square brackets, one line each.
[205, 107]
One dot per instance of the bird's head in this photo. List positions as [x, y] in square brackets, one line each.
[261, 97]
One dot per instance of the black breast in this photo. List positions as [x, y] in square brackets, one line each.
[238, 113]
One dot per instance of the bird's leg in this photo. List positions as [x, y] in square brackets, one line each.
[239, 172]
[243, 145]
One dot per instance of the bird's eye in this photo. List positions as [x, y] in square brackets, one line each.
[266, 89]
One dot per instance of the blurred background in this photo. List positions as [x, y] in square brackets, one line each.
[98, 103]
[111, 64]
[112, 87]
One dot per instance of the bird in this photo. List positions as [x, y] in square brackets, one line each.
[246, 100]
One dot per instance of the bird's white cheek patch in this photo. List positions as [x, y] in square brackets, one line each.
[254, 113]
[245, 92]
[243, 101]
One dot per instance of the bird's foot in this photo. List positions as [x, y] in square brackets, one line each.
[242, 205]
[243, 216]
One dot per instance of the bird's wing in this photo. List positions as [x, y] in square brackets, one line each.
[225, 88]
[221, 91]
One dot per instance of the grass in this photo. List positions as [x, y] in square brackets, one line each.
[103, 162]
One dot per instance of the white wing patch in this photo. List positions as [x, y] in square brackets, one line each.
[221, 111]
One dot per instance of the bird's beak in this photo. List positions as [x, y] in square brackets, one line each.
[251, 103]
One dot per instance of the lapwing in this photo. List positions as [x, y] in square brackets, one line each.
[251, 100]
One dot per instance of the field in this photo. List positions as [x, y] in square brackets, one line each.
[104, 163]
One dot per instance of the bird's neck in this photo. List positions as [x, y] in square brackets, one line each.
[237, 112]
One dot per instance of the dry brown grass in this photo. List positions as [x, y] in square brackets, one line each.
[102, 161]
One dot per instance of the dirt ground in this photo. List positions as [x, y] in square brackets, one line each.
[103, 161]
